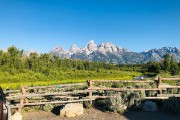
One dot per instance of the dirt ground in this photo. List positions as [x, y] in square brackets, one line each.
[94, 114]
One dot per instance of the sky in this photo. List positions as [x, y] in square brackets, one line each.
[137, 25]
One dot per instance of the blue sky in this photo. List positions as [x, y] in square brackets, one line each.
[134, 24]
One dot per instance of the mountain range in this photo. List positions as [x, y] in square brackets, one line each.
[110, 53]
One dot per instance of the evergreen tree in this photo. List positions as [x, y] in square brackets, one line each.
[166, 62]
[174, 69]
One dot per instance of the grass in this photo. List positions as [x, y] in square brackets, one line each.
[15, 82]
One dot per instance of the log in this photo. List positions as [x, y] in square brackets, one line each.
[166, 87]
[46, 94]
[12, 91]
[178, 79]
[127, 89]
[153, 98]
[53, 102]
[56, 86]
[168, 95]
[123, 81]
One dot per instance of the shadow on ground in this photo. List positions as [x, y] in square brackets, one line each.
[56, 110]
[142, 115]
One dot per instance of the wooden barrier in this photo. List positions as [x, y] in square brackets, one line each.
[46, 94]
[157, 82]
[126, 89]
[84, 95]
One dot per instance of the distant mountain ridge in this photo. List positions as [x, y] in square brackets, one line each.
[110, 53]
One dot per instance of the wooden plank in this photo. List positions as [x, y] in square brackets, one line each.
[95, 97]
[127, 89]
[169, 87]
[12, 91]
[123, 81]
[68, 97]
[153, 98]
[168, 95]
[52, 102]
[178, 79]
[40, 87]
[46, 94]
[56, 86]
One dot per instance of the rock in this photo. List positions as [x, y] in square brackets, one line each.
[16, 116]
[150, 106]
[72, 110]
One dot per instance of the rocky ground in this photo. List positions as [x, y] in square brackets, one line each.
[94, 114]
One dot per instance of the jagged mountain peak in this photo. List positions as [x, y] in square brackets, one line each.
[91, 42]
[92, 46]
[74, 48]
[108, 52]
[58, 48]
[158, 53]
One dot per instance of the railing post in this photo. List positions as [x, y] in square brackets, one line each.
[158, 84]
[159, 81]
[9, 111]
[23, 90]
[90, 84]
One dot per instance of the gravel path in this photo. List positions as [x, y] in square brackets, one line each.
[93, 114]
[90, 114]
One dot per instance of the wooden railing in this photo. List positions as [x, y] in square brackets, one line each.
[26, 97]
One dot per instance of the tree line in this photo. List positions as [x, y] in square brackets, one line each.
[167, 65]
[14, 59]
[17, 67]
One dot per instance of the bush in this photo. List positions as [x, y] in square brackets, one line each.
[121, 101]
[48, 107]
[116, 103]
[172, 105]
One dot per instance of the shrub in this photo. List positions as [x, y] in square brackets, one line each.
[121, 101]
[48, 107]
[116, 103]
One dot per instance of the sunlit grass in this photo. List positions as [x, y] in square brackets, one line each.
[80, 77]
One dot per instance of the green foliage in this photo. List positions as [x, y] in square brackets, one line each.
[116, 103]
[48, 107]
[174, 69]
[153, 67]
[43, 69]
[124, 100]
[168, 65]
[172, 105]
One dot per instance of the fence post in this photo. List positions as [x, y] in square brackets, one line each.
[90, 84]
[159, 81]
[158, 84]
[9, 111]
[23, 90]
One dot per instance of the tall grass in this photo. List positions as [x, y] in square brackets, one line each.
[37, 79]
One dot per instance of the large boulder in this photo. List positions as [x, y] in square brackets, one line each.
[16, 116]
[72, 110]
[150, 106]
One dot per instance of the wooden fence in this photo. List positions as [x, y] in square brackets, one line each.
[61, 94]
[159, 87]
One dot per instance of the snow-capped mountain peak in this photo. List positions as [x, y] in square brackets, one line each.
[108, 52]
[92, 46]
[74, 48]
